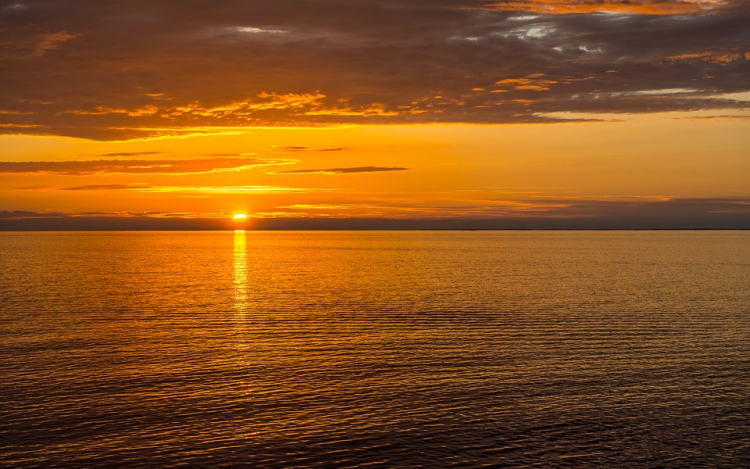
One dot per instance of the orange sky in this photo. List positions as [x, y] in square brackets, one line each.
[487, 111]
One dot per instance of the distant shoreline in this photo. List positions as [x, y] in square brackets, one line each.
[19, 221]
[207, 230]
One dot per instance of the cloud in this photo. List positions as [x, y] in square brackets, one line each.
[295, 149]
[253, 30]
[642, 7]
[139, 153]
[722, 57]
[78, 168]
[315, 207]
[535, 82]
[106, 187]
[21, 214]
[196, 190]
[224, 190]
[359, 169]
[203, 69]
[51, 41]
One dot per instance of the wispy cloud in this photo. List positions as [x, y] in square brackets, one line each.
[176, 189]
[315, 207]
[722, 57]
[358, 169]
[137, 153]
[106, 187]
[641, 7]
[292, 149]
[254, 30]
[219, 190]
[78, 168]
[52, 41]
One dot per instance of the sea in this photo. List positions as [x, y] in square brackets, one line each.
[375, 349]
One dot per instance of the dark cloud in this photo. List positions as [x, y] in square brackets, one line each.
[295, 149]
[21, 214]
[77, 168]
[135, 153]
[131, 69]
[291, 149]
[359, 169]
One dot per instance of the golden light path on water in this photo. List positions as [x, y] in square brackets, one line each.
[240, 271]
[240, 280]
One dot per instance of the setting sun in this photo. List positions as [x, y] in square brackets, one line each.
[240, 217]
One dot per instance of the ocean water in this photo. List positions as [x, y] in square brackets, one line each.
[375, 349]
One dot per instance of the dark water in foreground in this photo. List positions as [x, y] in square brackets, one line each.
[375, 349]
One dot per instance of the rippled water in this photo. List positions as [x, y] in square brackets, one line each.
[375, 349]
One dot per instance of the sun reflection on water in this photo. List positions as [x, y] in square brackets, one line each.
[240, 271]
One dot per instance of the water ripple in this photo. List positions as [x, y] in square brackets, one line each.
[375, 349]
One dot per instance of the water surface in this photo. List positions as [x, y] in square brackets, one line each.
[375, 349]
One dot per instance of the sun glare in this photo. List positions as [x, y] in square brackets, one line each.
[240, 217]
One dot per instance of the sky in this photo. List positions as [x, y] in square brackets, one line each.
[180, 114]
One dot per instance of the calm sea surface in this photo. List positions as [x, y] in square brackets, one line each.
[375, 349]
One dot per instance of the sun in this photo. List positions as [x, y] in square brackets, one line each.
[240, 217]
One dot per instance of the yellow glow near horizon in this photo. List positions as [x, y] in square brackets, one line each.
[418, 171]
